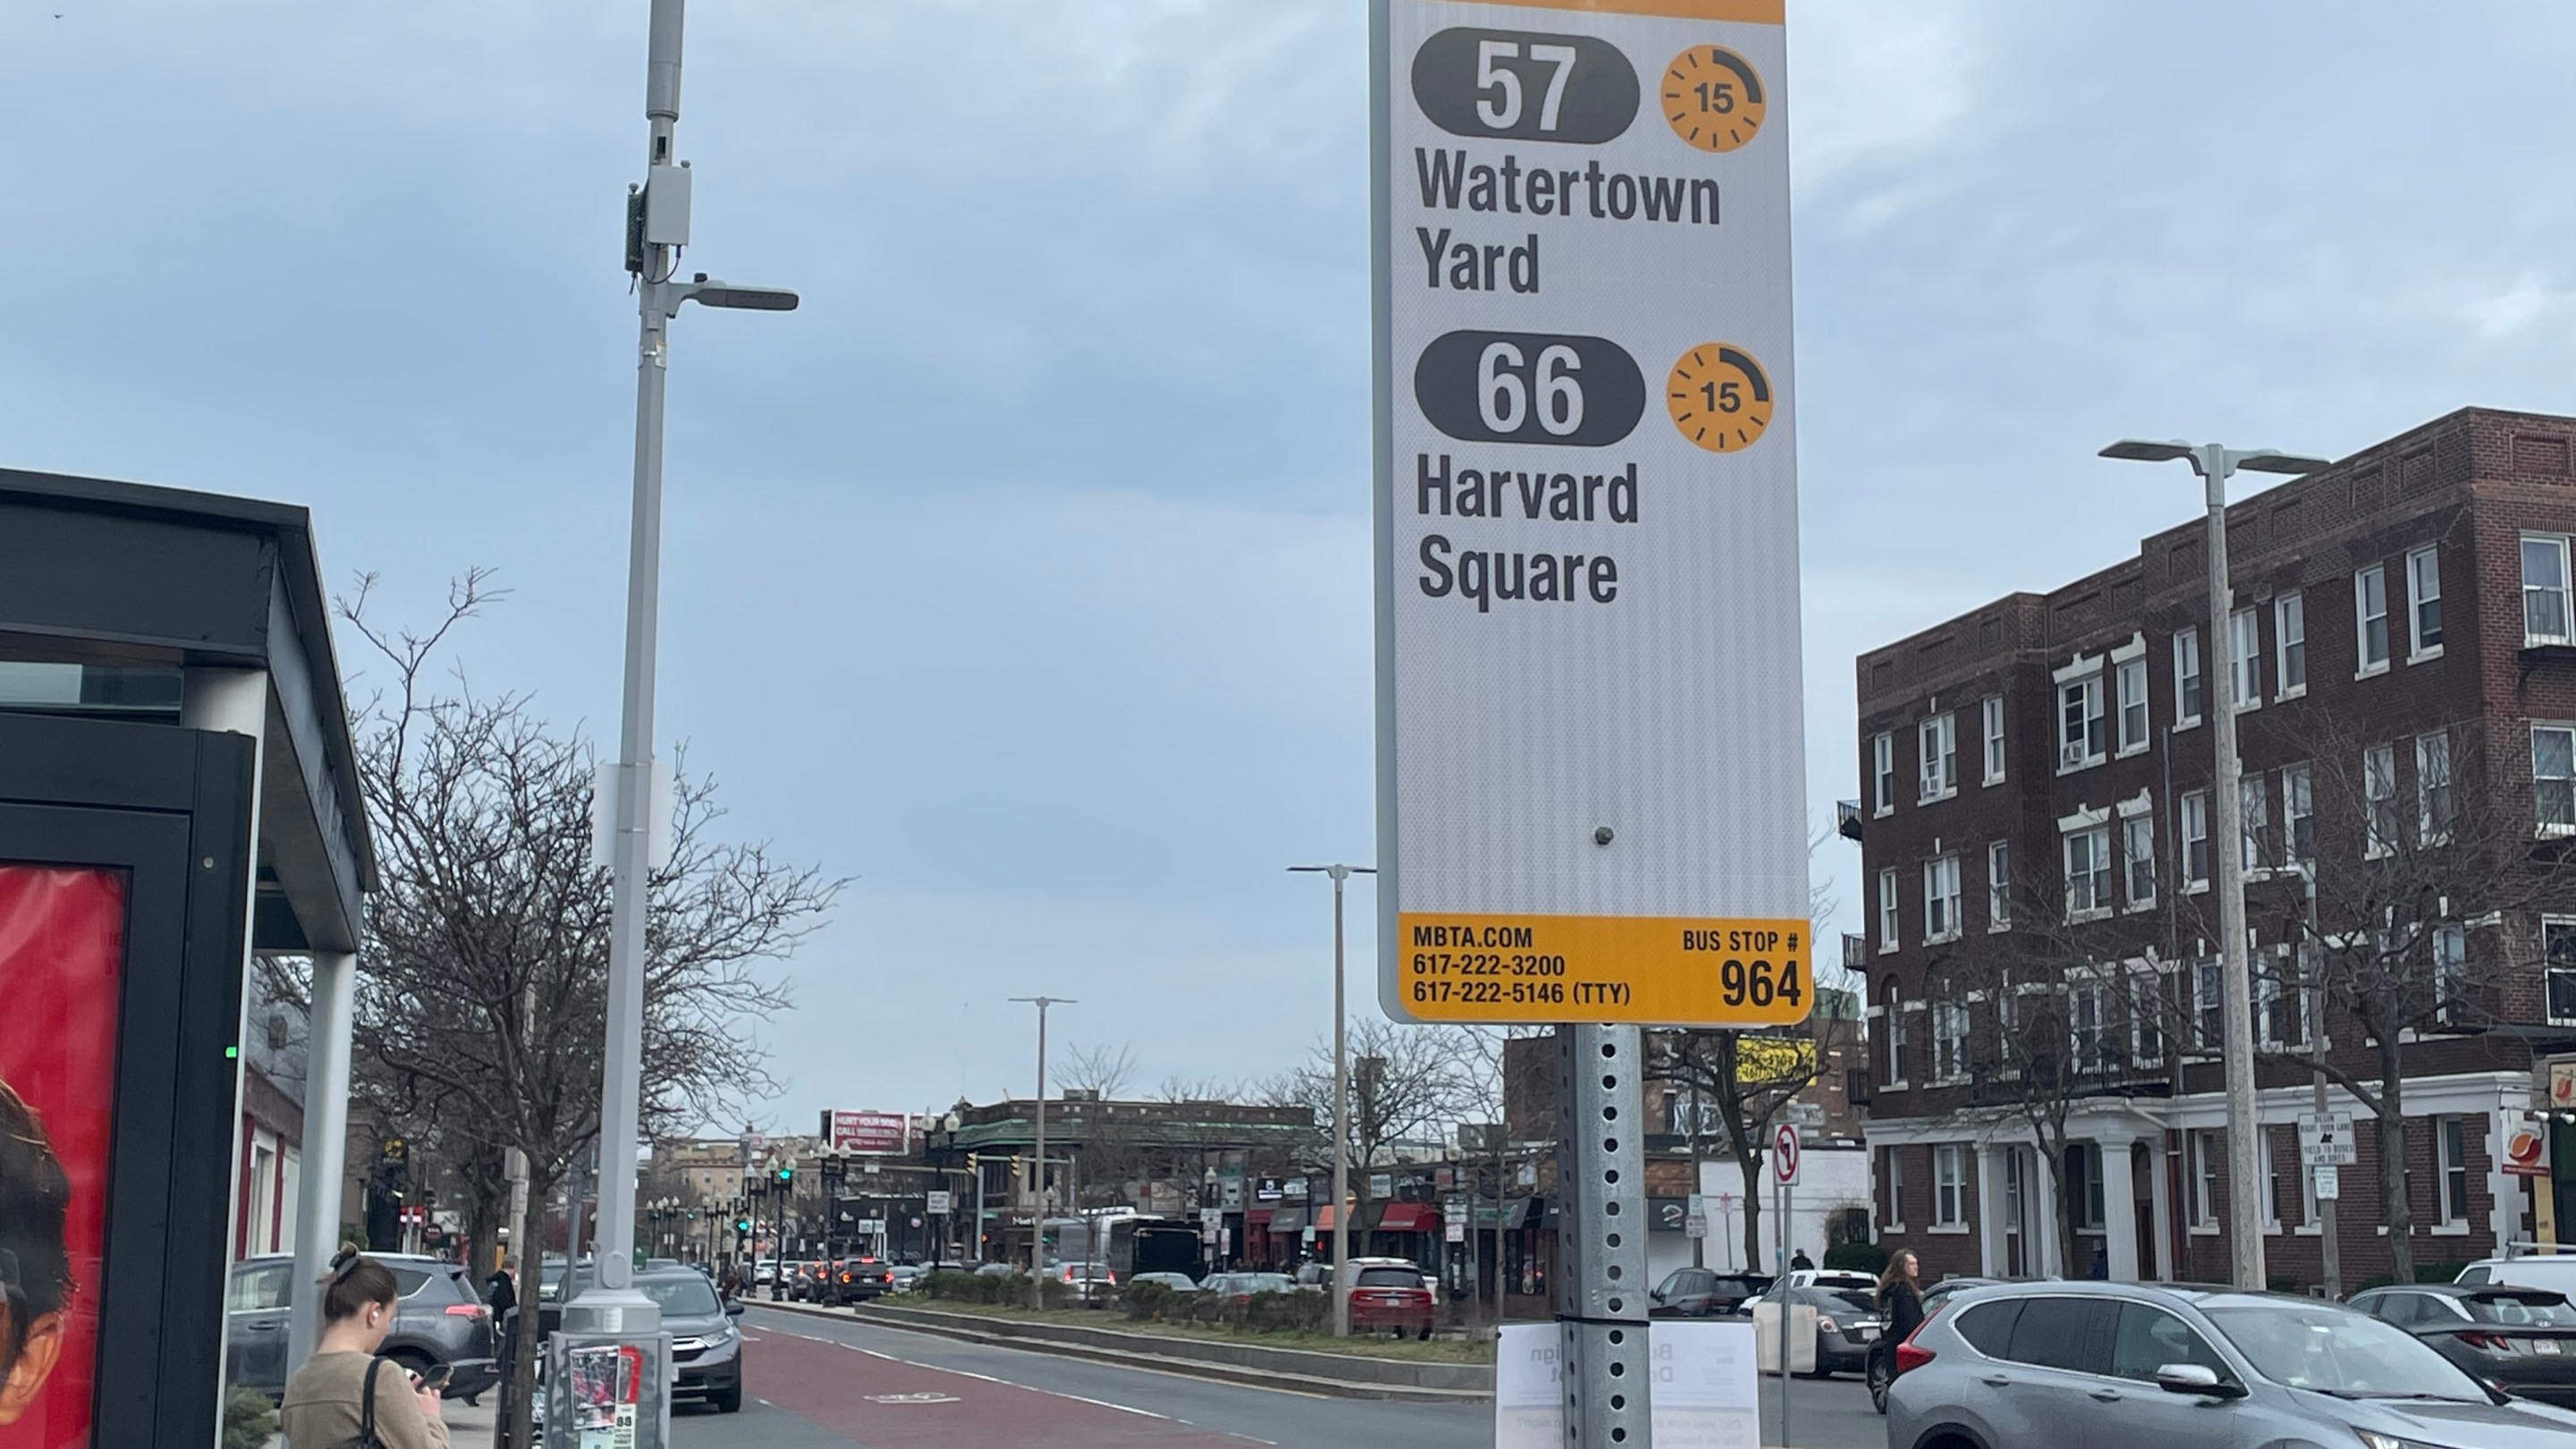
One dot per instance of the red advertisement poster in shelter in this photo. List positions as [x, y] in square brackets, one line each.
[62, 934]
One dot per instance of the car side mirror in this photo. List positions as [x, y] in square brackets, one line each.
[2193, 1378]
[1655, 1295]
[733, 1310]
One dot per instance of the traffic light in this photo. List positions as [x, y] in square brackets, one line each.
[742, 1225]
[786, 1176]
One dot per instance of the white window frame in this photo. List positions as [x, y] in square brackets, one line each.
[1895, 1163]
[2564, 926]
[2433, 773]
[2208, 1009]
[2267, 1002]
[2195, 835]
[1990, 719]
[2147, 1017]
[2423, 591]
[2098, 874]
[1949, 1187]
[2544, 820]
[2137, 852]
[2378, 801]
[2088, 1186]
[2188, 666]
[2252, 819]
[2450, 1161]
[2450, 944]
[1882, 760]
[2129, 681]
[2298, 806]
[2200, 1179]
[2271, 1179]
[1936, 743]
[2559, 594]
[1942, 905]
[1950, 1027]
[1998, 885]
[1888, 927]
[2245, 659]
[2289, 646]
[2366, 581]
[2094, 747]
[2086, 1014]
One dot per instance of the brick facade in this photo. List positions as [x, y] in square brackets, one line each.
[2468, 488]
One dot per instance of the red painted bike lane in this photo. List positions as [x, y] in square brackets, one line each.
[883, 1403]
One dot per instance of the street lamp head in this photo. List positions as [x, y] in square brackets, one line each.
[743, 299]
[2141, 450]
[2267, 460]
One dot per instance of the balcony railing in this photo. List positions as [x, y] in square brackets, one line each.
[1847, 819]
[1855, 951]
[1995, 1086]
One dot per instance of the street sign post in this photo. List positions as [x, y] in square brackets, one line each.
[1784, 1184]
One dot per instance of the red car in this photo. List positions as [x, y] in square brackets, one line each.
[1389, 1294]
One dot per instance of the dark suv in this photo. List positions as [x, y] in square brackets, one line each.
[1705, 1293]
[439, 1319]
[856, 1280]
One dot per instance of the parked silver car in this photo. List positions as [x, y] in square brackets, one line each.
[2123, 1366]
[439, 1319]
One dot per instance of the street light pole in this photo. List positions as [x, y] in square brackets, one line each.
[1341, 1102]
[1037, 1223]
[2214, 463]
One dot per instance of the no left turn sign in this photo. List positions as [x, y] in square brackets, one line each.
[1784, 1155]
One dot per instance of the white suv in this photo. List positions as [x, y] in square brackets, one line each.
[2529, 1270]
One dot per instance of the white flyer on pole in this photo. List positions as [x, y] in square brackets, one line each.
[1704, 1391]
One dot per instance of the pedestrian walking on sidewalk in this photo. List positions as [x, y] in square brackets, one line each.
[345, 1397]
[1900, 1303]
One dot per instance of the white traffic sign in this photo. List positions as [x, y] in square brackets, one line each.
[1784, 1155]
[2325, 1139]
[2329, 1183]
[938, 1201]
[1591, 791]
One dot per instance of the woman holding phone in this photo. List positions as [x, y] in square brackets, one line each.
[344, 1391]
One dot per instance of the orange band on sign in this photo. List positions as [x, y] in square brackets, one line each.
[1749, 12]
[1666, 970]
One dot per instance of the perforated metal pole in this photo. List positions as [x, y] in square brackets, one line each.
[1601, 1237]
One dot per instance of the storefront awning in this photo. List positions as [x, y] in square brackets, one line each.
[1288, 1220]
[1407, 1217]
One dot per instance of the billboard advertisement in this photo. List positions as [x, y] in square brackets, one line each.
[1591, 784]
[886, 1134]
[61, 956]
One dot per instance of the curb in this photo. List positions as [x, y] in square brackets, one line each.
[971, 1330]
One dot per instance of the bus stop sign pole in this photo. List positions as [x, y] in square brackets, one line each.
[1601, 1237]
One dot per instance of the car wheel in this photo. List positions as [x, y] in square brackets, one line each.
[1879, 1379]
[729, 1401]
[1423, 1334]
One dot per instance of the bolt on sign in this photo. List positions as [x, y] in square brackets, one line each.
[1590, 768]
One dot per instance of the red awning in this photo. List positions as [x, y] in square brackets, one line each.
[1409, 1217]
[1324, 1218]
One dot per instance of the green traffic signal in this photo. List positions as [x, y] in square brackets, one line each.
[742, 1225]
[787, 1174]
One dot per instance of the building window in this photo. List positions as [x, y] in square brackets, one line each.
[2370, 618]
[1938, 742]
[2252, 824]
[1893, 1014]
[2204, 1179]
[2558, 953]
[2433, 787]
[1949, 1041]
[2084, 1184]
[2086, 1028]
[1990, 715]
[2424, 602]
[2131, 686]
[2244, 659]
[2186, 678]
[1998, 886]
[2544, 591]
[1896, 1188]
[1887, 909]
[2138, 858]
[2146, 1018]
[2451, 973]
[2379, 799]
[2290, 640]
[1941, 899]
[2208, 1001]
[2553, 778]
[1949, 1185]
[2298, 815]
[2267, 1005]
[1882, 764]
[2080, 736]
[2450, 1139]
[2271, 1179]
[2088, 871]
[2195, 839]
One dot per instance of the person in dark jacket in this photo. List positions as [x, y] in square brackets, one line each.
[1800, 1262]
[1900, 1303]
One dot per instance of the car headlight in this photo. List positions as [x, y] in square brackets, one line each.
[2376, 1440]
[688, 1345]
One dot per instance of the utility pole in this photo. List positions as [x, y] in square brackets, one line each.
[2214, 462]
[1341, 1101]
[1037, 1223]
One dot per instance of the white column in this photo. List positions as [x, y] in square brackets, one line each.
[326, 1139]
[1991, 1257]
[2044, 1256]
[2160, 1206]
[2120, 1210]
[2505, 1191]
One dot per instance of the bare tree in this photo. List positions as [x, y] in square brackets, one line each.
[481, 999]
[1100, 1069]
[1406, 1082]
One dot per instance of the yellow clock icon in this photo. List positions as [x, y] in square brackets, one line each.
[1712, 98]
[1719, 397]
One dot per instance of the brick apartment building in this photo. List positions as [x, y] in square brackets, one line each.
[2035, 775]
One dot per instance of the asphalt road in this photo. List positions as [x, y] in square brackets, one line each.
[815, 1383]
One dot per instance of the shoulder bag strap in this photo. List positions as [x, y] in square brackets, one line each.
[367, 1406]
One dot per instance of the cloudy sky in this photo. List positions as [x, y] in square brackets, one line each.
[1023, 575]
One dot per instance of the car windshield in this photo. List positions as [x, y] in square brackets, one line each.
[2538, 1310]
[1390, 1278]
[688, 1297]
[1847, 1298]
[2337, 1351]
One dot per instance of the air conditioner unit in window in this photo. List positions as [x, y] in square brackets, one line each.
[2071, 754]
